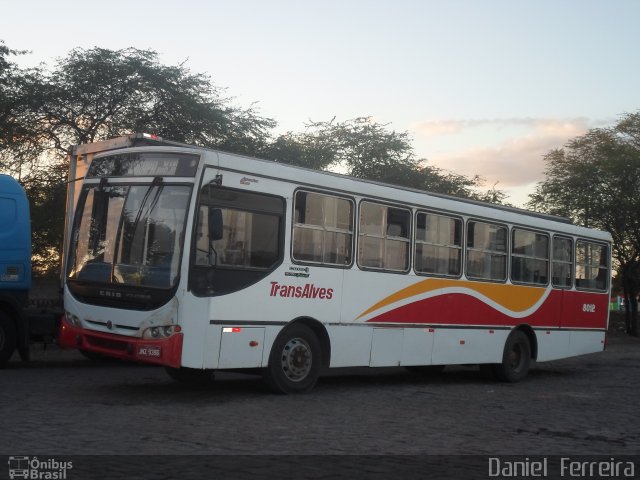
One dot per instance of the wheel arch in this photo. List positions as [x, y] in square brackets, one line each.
[533, 340]
[320, 332]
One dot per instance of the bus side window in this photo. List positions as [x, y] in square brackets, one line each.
[529, 257]
[592, 265]
[383, 238]
[438, 247]
[238, 232]
[322, 229]
[486, 251]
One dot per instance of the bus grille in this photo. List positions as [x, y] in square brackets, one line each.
[108, 344]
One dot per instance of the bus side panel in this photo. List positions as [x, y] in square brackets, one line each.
[454, 346]
[241, 347]
[201, 340]
[581, 343]
[552, 344]
[417, 346]
[350, 346]
[362, 289]
[386, 347]
[585, 310]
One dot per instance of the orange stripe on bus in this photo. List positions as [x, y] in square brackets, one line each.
[516, 298]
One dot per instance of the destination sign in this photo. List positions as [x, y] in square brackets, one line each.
[147, 164]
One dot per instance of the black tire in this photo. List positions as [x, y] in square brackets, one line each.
[8, 338]
[294, 361]
[516, 358]
[191, 376]
[425, 370]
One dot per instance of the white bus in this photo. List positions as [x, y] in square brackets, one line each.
[201, 260]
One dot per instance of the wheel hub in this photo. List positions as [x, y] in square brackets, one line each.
[296, 359]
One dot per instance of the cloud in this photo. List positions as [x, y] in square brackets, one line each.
[515, 162]
[451, 127]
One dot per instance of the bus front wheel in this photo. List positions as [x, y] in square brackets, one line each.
[516, 358]
[294, 361]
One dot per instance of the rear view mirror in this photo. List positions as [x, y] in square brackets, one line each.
[215, 224]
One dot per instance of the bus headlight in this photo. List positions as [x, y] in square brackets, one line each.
[72, 319]
[156, 333]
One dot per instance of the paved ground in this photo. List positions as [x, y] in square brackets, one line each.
[62, 404]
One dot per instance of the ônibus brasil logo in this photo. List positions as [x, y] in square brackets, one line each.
[38, 469]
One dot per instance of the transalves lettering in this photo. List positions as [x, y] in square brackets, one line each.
[307, 291]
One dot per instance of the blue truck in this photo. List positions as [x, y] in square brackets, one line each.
[18, 324]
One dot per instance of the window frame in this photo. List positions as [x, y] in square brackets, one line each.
[253, 275]
[518, 255]
[571, 263]
[607, 268]
[323, 228]
[467, 249]
[416, 241]
[409, 238]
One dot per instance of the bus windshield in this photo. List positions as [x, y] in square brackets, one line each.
[129, 235]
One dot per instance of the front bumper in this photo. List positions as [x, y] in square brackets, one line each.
[167, 351]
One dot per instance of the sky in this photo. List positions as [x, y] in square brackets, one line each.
[483, 87]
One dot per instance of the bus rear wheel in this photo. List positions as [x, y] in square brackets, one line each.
[294, 361]
[516, 358]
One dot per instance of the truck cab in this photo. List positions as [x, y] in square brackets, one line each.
[15, 268]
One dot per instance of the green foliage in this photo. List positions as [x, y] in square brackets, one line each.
[595, 181]
[17, 100]
[47, 198]
[365, 149]
[96, 94]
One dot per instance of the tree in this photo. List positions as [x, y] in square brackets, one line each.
[96, 94]
[366, 149]
[18, 129]
[595, 181]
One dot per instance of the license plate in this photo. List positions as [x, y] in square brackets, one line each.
[149, 351]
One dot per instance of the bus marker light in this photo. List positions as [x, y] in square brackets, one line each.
[462, 342]
[253, 343]
[236, 330]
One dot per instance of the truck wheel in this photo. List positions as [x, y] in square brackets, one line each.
[516, 358]
[294, 362]
[8, 338]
